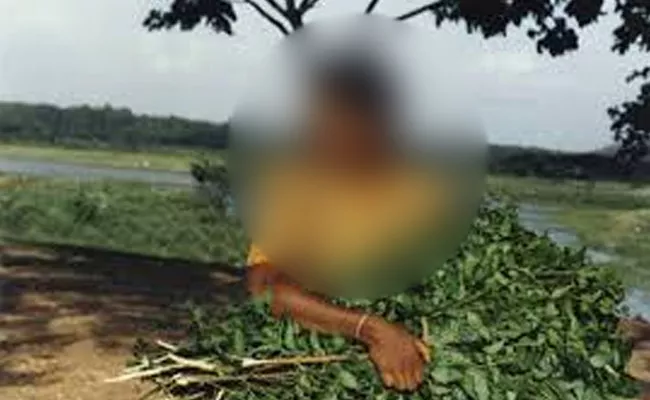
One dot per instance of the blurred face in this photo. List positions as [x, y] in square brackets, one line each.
[344, 133]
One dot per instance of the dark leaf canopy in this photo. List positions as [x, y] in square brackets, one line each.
[187, 14]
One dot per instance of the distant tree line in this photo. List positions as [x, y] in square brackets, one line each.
[106, 126]
[543, 163]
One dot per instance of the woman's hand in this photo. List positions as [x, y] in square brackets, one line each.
[399, 356]
[260, 277]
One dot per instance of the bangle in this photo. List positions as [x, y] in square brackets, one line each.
[362, 321]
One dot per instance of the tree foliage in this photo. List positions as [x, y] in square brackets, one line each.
[553, 25]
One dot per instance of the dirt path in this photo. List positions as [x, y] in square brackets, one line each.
[69, 316]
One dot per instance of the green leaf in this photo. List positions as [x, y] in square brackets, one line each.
[446, 375]
[239, 342]
[348, 380]
[559, 292]
[289, 337]
[480, 384]
[495, 347]
[598, 361]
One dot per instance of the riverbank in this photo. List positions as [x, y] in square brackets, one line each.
[611, 217]
[163, 159]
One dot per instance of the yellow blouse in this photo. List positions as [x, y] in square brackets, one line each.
[305, 216]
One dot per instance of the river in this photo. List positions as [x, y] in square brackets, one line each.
[534, 217]
[77, 171]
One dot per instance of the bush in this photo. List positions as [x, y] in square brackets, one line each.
[512, 316]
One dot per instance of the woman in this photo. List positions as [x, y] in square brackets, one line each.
[350, 143]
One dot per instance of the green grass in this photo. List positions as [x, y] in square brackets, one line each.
[625, 233]
[609, 216]
[120, 216]
[164, 159]
[613, 195]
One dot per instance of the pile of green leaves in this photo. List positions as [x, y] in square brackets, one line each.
[512, 316]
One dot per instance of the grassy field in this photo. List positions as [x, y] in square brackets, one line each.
[613, 195]
[121, 216]
[169, 160]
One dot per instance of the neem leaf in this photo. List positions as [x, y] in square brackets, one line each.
[443, 374]
[474, 320]
[480, 384]
[238, 342]
[348, 380]
[289, 337]
[495, 347]
[474, 383]
[559, 292]
[598, 361]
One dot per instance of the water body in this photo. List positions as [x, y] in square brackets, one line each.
[536, 218]
[83, 172]
[533, 217]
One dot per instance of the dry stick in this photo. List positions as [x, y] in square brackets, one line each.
[249, 362]
[167, 346]
[145, 364]
[195, 396]
[180, 364]
[188, 380]
[197, 364]
[425, 330]
[144, 374]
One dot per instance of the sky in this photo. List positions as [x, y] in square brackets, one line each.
[70, 52]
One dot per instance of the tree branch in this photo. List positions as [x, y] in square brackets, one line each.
[293, 14]
[306, 5]
[414, 13]
[278, 8]
[260, 10]
[371, 6]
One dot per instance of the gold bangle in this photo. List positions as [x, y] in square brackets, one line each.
[362, 321]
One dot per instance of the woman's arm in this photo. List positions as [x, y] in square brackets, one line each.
[399, 356]
[288, 299]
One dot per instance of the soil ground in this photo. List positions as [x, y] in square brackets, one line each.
[70, 316]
